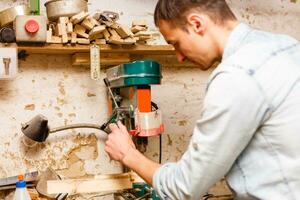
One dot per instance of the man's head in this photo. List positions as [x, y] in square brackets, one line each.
[196, 28]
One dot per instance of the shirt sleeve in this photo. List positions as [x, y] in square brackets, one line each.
[233, 109]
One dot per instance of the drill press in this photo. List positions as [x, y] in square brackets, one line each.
[130, 99]
[129, 88]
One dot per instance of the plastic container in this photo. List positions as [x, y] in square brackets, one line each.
[21, 190]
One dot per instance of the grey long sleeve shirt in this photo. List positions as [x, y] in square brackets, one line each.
[249, 130]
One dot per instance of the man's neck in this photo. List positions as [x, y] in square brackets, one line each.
[221, 34]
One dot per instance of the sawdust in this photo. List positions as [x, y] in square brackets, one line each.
[76, 157]
[182, 123]
[169, 143]
[61, 88]
[90, 94]
[29, 107]
[60, 101]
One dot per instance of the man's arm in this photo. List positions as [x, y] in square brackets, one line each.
[121, 148]
[233, 109]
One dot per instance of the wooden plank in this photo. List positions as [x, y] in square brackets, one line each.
[101, 184]
[132, 49]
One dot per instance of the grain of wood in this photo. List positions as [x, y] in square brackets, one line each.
[139, 22]
[124, 32]
[79, 17]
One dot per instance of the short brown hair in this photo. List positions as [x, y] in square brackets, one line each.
[175, 11]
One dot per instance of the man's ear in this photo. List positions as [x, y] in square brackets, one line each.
[197, 22]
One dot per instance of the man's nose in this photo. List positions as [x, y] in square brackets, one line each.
[180, 56]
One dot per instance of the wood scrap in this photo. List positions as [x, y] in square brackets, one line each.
[49, 35]
[88, 28]
[106, 34]
[79, 17]
[114, 40]
[97, 30]
[113, 34]
[136, 29]
[73, 38]
[129, 41]
[56, 40]
[63, 20]
[124, 32]
[100, 41]
[87, 24]
[100, 184]
[139, 22]
[80, 31]
[69, 27]
[97, 36]
[83, 41]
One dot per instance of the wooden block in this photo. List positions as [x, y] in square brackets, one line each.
[97, 30]
[58, 30]
[113, 40]
[63, 29]
[143, 33]
[80, 186]
[87, 24]
[64, 38]
[97, 36]
[49, 35]
[141, 42]
[106, 34]
[56, 40]
[124, 32]
[69, 27]
[63, 20]
[80, 31]
[114, 25]
[100, 41]
[83, 41]
[73, 38]
[94, 21]
[129, 40]
[79, 17]
[83, 35]
[144, 37]
[139, 22]
[114, 33]
[136, 29]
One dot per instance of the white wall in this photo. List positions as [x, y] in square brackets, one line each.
[50, 85]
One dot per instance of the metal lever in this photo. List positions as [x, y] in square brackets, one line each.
[110, 92]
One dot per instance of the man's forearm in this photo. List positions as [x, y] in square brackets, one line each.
[143, 166]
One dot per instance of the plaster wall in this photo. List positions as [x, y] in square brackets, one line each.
[49, 85]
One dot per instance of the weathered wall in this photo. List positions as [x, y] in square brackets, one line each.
[50, 85]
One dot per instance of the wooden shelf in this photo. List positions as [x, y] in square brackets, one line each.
[111, 54]
[72, 49]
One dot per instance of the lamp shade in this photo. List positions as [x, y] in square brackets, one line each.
[37, 128]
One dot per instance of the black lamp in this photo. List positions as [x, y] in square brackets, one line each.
[37, 128]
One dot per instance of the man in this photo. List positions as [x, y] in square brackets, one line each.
[249, 129]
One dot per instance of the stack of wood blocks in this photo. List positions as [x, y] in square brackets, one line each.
[84, 29]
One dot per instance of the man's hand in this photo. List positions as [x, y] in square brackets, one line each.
[119, 143]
